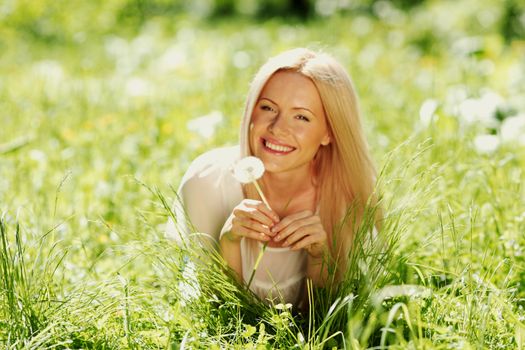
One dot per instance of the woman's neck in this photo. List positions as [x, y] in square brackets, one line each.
[282, 188]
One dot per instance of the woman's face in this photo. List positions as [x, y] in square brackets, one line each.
[288, 123]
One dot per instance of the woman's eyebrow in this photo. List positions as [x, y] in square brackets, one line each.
[306, 109]
[266, 98]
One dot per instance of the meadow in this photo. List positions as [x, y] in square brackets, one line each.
[97, 129]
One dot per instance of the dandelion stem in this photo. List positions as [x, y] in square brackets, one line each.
[259, 257]
[259, 190]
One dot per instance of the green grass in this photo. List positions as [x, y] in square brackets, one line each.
[94, 135]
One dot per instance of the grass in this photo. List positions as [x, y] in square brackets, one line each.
[94, 137]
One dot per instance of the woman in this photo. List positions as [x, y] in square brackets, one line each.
[302, 120]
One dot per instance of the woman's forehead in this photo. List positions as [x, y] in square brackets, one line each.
[291, 88]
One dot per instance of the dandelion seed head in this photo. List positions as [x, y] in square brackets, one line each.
[248, 169]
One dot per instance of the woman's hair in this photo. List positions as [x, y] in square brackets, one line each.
[345, 173]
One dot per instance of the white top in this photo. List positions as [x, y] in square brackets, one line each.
[209, 192]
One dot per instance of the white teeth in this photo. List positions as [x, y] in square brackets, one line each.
[278, 148]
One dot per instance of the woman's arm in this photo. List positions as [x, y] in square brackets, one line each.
[251, 219]
[317, 269]
[230, 248]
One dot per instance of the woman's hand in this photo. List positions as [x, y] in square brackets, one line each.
[302, 230]
[252, 219]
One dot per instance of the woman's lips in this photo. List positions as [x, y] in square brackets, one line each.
[276, 147]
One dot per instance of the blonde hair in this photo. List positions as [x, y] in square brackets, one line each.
[345, 172]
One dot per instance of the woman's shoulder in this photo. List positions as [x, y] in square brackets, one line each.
[212, 170]
[213, 162]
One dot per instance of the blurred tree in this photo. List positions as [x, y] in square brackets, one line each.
[513, 20]
[406, 4]
[224, 8]
[136, 12]
[64, 20]
[302, 9]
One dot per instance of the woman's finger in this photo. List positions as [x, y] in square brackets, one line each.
[244, 231]
[258, 212]
[310, 241]
[252, 214]
[268, 212]
[298, 234]
[285, 222]
[294, 225]
[256, 226]
[261, 208]
[249, 225]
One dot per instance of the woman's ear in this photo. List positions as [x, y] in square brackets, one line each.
[325, 141]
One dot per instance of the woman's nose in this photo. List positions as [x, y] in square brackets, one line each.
[279, 125]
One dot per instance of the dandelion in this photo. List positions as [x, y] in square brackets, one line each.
[249, 170]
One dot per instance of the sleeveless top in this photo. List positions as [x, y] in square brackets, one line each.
[209, 192]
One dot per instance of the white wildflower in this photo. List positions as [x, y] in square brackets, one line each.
[513, 129]
[173, 58]
[205, 126]
[189, 288]
[49, 70]
[248, 169]
[138, 87]
[300, 338]
[405, 290]
[283, 306]
[486, 144]
[481, 110]
[38, 156]
[427, 111]
[241, 59]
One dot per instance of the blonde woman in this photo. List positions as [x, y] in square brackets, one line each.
[302, 120]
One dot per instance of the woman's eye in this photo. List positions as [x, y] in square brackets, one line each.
[267, 108]
[303, 117]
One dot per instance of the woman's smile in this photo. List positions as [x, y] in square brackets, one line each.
[276, 147]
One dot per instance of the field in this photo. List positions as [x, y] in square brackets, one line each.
[98, 127]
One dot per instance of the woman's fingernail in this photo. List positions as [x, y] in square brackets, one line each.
[277, 238]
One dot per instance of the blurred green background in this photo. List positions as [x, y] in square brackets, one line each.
[100, 88]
